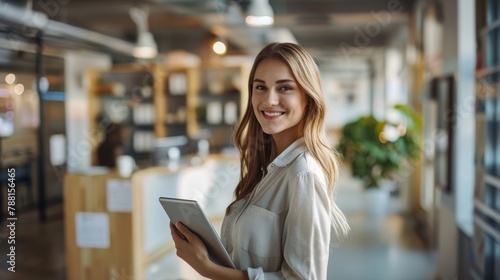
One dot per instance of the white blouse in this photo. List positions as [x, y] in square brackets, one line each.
[282, 229]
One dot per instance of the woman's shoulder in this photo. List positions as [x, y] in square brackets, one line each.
[305, 162]
[306, 165]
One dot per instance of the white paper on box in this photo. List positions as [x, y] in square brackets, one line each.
[92, 230]
[57, 149]
[119, 195]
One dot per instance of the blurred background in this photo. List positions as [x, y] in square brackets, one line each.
[107, 105]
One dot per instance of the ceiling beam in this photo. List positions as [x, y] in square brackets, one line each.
[288, 7]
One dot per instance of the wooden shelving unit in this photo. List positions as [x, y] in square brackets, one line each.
[124, 95]
[175, 100]
[220, 102]
[174, 106]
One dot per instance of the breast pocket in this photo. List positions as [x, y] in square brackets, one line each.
[260, 232]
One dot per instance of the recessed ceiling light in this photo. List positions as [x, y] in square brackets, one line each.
[219, 48]
[260, 13]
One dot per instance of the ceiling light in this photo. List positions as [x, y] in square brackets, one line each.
[219, 48]
[146, 46]
[260, 13]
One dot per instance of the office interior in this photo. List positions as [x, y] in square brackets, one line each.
[107, 105]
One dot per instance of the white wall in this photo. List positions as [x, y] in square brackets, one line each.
[347, 91]
[379, 83]
[458, 58]
[465, 131]
[395, 67]
[447, 244]
[77, 105]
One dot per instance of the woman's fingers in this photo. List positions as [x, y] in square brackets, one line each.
[175, 234]
[189, 247]
[185, 231]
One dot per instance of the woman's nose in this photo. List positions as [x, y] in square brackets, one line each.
[272, 98]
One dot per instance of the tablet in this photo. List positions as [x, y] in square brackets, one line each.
[191, 215]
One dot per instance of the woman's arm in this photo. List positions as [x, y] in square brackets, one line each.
[306, 232]
[192, 250]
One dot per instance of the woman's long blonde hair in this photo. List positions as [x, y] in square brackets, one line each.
[257, 149]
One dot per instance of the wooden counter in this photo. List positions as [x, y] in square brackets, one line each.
[87, 193]
[140, 237]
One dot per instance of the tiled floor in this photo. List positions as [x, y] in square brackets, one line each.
[388, 250]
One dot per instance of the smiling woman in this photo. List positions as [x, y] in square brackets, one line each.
[278, 102]
[284, 214]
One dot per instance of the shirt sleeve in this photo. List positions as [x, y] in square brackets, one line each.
[306, 232]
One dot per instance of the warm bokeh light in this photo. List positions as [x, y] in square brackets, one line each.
[382, 138]
[19, 89]
[401, 130]
[219, 48]
[10, 79]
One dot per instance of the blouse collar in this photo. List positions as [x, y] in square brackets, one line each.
[289, 154]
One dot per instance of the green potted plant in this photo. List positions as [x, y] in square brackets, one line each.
[375, 149]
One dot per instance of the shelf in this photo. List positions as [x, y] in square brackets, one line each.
[125, 97]
[143, 126]
[488, 229]
[229, 96]
[481, 73]
[486, 210]
[492, 181]
[112, 97]
[147, 100]
[216, 124]
[490, 27]
[175, 124]
[175, 96]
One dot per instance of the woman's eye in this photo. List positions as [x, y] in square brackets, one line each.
[259, 87]
[285, 88]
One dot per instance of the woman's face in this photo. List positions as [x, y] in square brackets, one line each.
[278, 101]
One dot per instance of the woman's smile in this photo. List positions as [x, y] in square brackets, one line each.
[272, 115]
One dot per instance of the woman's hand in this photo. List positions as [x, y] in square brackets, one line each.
[190, 248]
